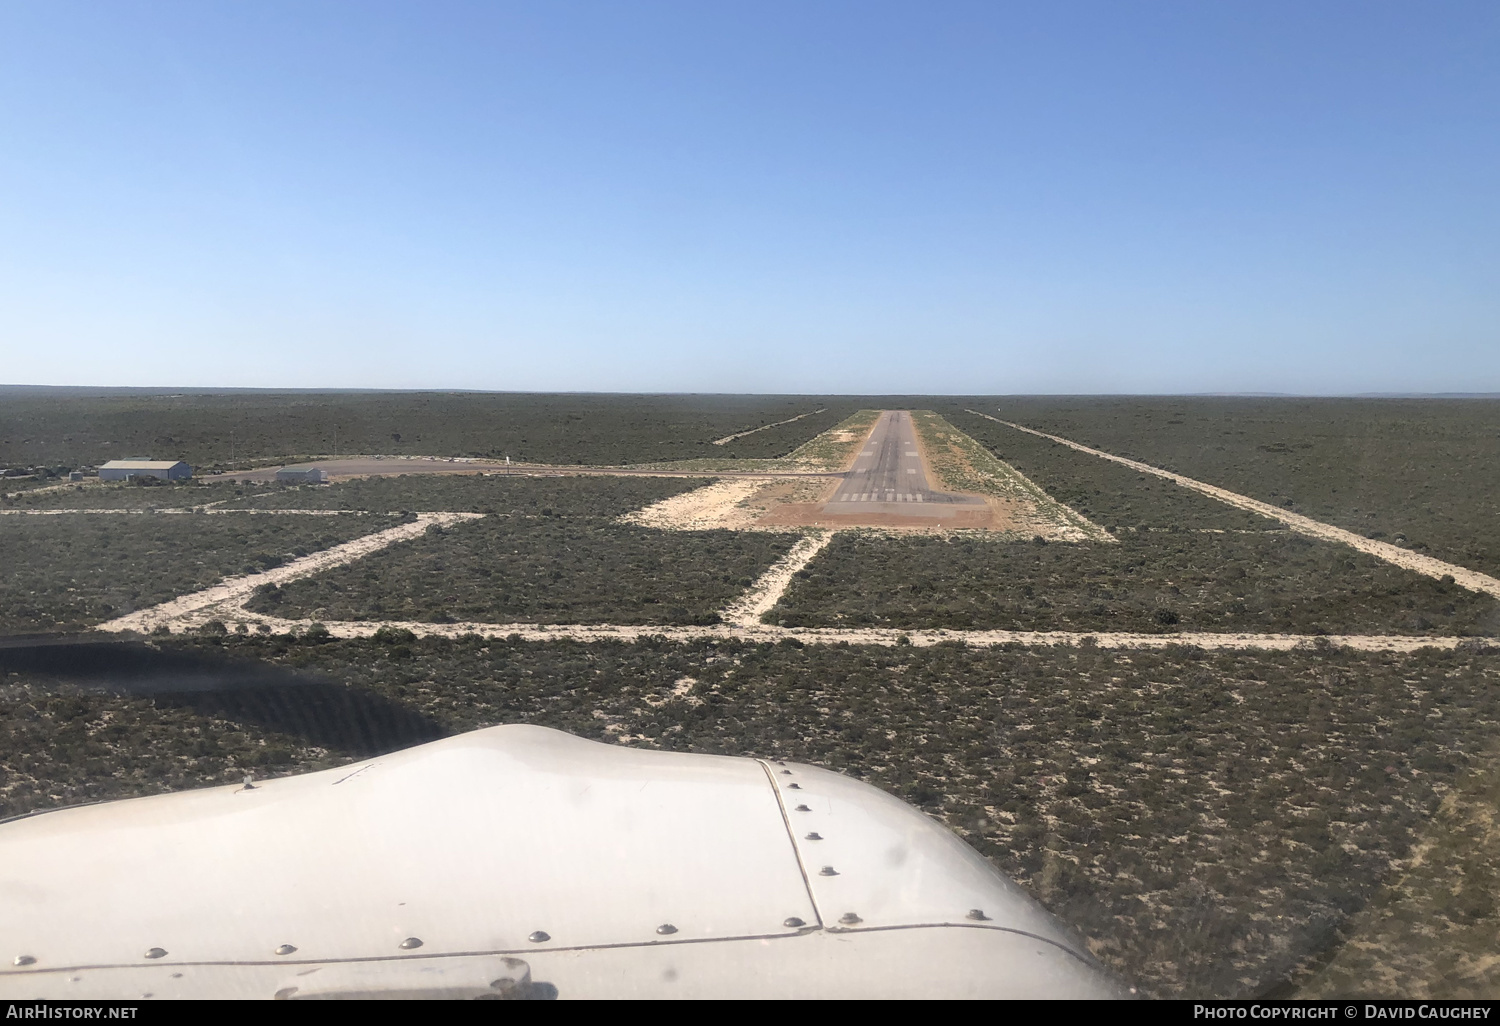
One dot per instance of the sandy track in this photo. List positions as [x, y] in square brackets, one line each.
[1394, 554]
[766, 427]
[229, 596]
[747, 610]
[345, 468]
[226, 602]
[829, 636]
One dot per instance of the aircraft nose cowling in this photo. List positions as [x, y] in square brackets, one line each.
[877, 863]
[612, 871]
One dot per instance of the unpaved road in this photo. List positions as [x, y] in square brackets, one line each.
[1394, 554]
[377, 466]
[831, 636]
[226, 602]
[229, 596]
[765, 427]
[747, 610]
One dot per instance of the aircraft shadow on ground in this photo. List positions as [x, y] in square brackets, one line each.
[321, 712]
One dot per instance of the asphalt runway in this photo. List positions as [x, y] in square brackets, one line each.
[889, 477]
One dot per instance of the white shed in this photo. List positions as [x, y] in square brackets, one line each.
[167, 470]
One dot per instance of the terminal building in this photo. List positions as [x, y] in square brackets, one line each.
[124, 470]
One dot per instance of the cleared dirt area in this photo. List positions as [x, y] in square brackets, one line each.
[983, 516]
[883, 468]
[736, 504]
[880, 638]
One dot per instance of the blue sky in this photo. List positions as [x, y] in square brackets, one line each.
[752, 197]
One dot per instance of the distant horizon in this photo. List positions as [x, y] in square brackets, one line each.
[216, 389]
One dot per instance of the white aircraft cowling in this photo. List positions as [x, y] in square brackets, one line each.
[521, 861]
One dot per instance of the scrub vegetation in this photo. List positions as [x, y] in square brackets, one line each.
[74, 570]
[64, 745]
[1414, 472]
[137, 493]
[24, 482]
[1151, 582]
[1115, 497]
[550, 551]
[498, 494]
[1432, 932]
[1210, 822]
[962, 464]
[829, 451]
[85, 427]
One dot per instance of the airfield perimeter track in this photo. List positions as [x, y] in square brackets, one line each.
[225, 602]
[1427, 566]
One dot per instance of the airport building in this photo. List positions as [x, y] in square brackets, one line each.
[123, 470]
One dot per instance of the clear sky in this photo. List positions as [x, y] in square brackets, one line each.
[759, 196]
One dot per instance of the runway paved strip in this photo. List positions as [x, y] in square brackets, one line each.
[889, 476]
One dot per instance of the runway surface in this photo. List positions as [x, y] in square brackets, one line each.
[888, 476]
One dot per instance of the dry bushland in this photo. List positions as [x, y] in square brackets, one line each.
[88, 426]
[498, 494]
[1416, 472]
[544, 568]
[75, 570]
[135, 494]
[1209, 822]
[1152, 581]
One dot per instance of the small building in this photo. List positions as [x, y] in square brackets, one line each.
[124, 470]
[302, 475]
